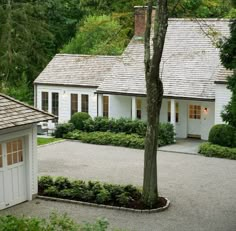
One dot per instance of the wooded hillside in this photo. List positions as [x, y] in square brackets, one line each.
[33, 31]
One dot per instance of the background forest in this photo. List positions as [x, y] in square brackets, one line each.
[33, 31]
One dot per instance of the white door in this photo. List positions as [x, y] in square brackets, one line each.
[194, 120]
[12, 173]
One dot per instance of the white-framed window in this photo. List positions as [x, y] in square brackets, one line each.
[105, 106]
[138, 108]
[44, 101]
[74, 103]
[55, 103]
[194, 111]
[176, 112]
[14, 151]
[85, 103]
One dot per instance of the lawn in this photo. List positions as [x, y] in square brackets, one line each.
[42, 141]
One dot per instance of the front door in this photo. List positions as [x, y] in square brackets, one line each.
[12, 173]
[194, 121]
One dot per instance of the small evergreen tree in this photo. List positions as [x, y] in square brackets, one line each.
[228, 59]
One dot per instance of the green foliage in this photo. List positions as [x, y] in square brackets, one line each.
[55, 222]
[227, 55]
[108, 138]
[62, 183]
[63, 129]
[127, 126]
[223, 134]
[166, 134]
[93, 192]
[101, 35]
[213, 150]
[78, 119]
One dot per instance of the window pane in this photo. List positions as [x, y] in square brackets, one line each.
[138, 108]
[15, 157]
[194, 111]
[9, 159]
[84, 103]
[55, 103]
[105, 106]
[20, 156]
[74, 103]
[45, 101]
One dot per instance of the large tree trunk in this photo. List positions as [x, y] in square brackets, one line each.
[154, 97]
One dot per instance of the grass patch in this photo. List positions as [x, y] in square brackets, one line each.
[213, 150]
[42, 141]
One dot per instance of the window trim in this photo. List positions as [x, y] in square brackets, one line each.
[85, 104]
[138, 108]
[105, 111]
[44, 101]
[73, 103]
[176, 112]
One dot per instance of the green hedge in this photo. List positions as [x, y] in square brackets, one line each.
[100, 124]
[213, 150]
[78, 119]
[108, 138]
[54, 223]
[94, 192]
[223, 134]
[63, 129]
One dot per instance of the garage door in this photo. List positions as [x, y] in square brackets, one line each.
[12, 173]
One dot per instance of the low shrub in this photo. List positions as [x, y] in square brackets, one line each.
[213, 150]
[78, 119]
[223, 134]
[55, 222]
[93, 192]
[166, 134]
[63, 129]
[108, 138]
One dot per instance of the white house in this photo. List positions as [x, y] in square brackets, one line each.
[114, 86]
[18, 149]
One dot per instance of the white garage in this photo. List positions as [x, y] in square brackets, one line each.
[18, 150]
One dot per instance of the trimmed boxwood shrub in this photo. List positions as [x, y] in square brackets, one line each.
[78, 119]
[223, 134]
[92, 191]
[213, 150]
[108, 138]
[63, 129]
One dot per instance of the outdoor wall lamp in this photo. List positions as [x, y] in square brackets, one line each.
[205, 110]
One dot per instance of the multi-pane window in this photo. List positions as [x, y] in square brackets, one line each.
[138, 108]
[105, 106]
[84, 103]
[14, 151]
[45, 101]
[1, 156]
[194, 112]
[74, 103]
[55, 103]
[176, 112]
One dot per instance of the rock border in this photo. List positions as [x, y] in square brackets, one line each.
[107, 206]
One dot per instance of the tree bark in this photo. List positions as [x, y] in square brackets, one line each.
[154, 88]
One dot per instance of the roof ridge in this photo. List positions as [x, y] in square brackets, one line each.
[84, 55]
[26, 105]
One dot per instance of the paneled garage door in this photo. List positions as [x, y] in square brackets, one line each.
[12, 173]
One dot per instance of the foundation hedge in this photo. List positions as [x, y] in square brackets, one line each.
[92, 191]
[213, 150]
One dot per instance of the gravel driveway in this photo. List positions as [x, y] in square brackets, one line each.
[202, 190]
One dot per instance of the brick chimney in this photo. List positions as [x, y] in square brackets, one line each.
[140, 19]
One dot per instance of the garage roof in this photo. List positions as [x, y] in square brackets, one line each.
[14, 113]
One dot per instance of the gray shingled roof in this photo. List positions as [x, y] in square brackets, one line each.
[222, 75]
[80, 70]
[190, 62]
[14, 113]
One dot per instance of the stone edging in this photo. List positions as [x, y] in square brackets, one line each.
[107, 206]
[55, 142]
